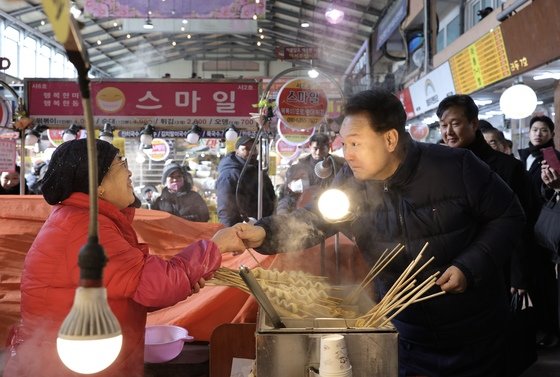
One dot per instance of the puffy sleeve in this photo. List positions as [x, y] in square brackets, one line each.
[164, 283]
[150, 280]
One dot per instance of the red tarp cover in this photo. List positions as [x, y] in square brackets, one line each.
[21, 217]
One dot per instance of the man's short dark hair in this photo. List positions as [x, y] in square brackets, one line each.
[543, 118]
[384, 109]
[320, 139]
[459, 100]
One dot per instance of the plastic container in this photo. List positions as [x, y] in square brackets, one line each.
[164, 342]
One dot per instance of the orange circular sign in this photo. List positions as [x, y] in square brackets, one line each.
[301, 103]
[293, 136]
[287, 151]
[159, 151]
[419, 131]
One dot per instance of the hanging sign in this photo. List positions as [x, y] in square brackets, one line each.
[165, 104]
[301, 104]
[55, 136]
[5, 113]
[287, 151]
[7, 155]
[294, 137]
[419, 131]
[160, 150]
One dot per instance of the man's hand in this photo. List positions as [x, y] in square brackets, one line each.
[549, 176]
[252, 236]
[453, 280]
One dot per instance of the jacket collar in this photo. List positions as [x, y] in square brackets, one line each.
[480, 147]
[408, 165]
[122, 219]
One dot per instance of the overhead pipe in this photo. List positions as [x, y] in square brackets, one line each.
[504, 14]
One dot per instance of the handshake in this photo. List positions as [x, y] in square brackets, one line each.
[239, 237]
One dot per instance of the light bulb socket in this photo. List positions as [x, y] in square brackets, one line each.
[36, 132]
[73, 130]
[194, 133]
[91, 261]
[107, 133]
[232, 133]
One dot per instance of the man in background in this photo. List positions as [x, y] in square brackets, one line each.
[309, 174]
[237, 185]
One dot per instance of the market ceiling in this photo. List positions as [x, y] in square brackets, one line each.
[113, 47]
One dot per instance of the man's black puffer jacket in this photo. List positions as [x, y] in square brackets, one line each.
[443, 196]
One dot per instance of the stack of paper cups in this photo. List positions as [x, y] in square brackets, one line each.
[334, 360]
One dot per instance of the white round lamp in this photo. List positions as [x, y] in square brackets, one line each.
[334, 205]
[518, 101]
[86, 348]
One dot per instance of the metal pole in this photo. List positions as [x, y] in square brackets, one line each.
[337, 256]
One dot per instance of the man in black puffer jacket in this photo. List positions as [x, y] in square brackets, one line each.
[237, 189]
[413, 193]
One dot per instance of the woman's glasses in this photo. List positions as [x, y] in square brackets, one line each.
[122, 162]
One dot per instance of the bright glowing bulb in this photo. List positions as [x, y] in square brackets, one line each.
[518, 101]
[334, 205]
[305, 24]
[90, 337]
[334, 15]
[313, 73]
[192, 138]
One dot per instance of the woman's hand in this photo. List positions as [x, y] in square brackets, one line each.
[198, 286]
[252, 235]
[228, 240]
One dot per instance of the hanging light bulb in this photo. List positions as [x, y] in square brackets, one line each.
[107, 133]
[194, 134]
[334, 15]
[518, 101]
[231, 133]
[71, 133]
[334, 206]
[148, 25]
[146, 136]
[33, 135]
[313, 73]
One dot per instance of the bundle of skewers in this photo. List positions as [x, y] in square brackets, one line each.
[297, 294]
[404, 292]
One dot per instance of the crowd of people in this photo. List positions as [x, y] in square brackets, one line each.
[468, 196]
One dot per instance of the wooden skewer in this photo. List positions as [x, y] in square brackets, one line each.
[253, 255]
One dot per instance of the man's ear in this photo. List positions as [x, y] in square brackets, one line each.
[391, 139]
[475, 124]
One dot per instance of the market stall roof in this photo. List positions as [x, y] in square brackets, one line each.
[118, 47]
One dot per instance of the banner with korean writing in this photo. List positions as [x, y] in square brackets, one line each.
[7, 155]
[133, 103]
[302, 104]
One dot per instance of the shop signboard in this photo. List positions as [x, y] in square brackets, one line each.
[482, 63]
[292, 136]
[532, 36]
[7, 155]
[171, 104]
[302, 103]
[406, 100]
[427, 92]
[297, 53]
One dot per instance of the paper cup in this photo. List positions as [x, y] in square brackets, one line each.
[334, 356]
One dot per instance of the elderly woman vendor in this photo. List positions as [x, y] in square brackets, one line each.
[136, 281]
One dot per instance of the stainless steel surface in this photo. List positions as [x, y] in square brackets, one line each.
[291, 351]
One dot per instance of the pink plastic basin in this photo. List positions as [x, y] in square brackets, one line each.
[164, 342]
